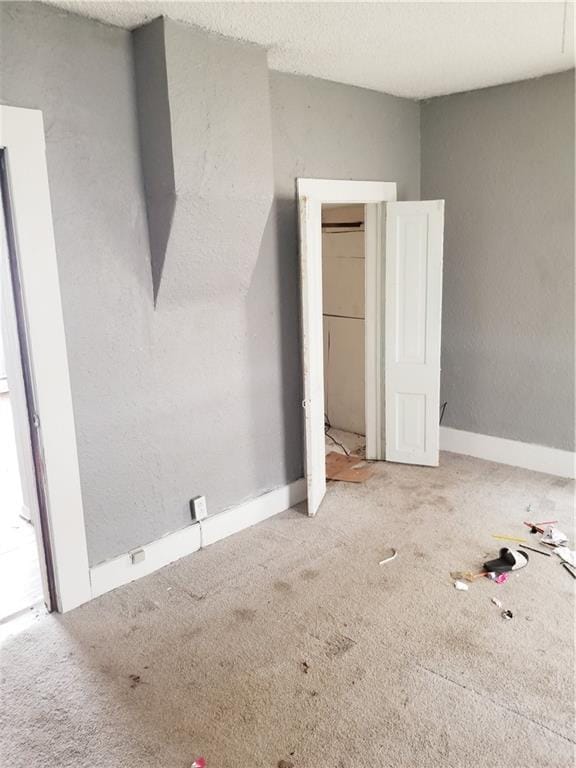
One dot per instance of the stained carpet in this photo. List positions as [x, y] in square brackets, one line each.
[289, 642]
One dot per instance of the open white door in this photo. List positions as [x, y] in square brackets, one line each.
[413, 303]
[312, 349]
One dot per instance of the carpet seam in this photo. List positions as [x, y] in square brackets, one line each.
[497, 704]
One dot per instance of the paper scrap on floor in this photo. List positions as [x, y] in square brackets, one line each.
[553, 536]
[568, 555]
[348, 469]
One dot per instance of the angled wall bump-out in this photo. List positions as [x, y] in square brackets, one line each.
[155, 130]
[206, 144]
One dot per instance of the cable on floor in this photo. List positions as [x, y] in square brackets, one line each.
[327, 428]
[442, 409]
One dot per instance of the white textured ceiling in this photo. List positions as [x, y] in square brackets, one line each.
[416, 50]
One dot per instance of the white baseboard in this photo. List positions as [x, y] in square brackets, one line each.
[120, 570]
[251, 512]
[539, 458]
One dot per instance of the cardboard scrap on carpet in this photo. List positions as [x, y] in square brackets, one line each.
[348, 469]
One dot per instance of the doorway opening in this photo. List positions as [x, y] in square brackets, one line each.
[399, 322]
[37, 362]
[343, 317]
[22, 553]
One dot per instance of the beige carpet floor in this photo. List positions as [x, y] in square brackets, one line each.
[289, 642]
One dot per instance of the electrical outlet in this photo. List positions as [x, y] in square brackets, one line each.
[198, 508]
[137, 556]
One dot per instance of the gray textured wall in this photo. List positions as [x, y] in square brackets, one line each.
[80, 74]
[329, 130]
[222, 143]
[201, 394]
[503, 159]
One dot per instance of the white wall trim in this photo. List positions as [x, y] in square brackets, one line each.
[538, 458]
[373, 327]
[22, 136]
[251, 512]
[334, 191]
[120, 570]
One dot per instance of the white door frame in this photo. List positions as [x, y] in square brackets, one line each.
[312, 193]
[30, 228]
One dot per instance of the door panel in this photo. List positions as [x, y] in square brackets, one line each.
[411, 420]
[413, 301]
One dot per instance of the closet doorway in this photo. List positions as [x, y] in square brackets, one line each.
[371, 281]
[343, 318]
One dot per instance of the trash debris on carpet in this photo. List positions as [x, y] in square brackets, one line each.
[200, 762]
[554, 537]
[466, 575]
[536, 527]
[509, 538]
[538, 551]
[461, 586]
[498, 578]
[567, 555]
[508, 560]
[347, 469]
[568, 568]
[557, 539]
[496, 570]
[285, 764]
[390, 555]
[506, 614]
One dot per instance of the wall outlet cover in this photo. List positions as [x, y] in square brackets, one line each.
[137, 556]
[198, 508]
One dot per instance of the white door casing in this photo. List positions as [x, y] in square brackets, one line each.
[312, 193]
[413, 302]
[374, 243]
[22, 138]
